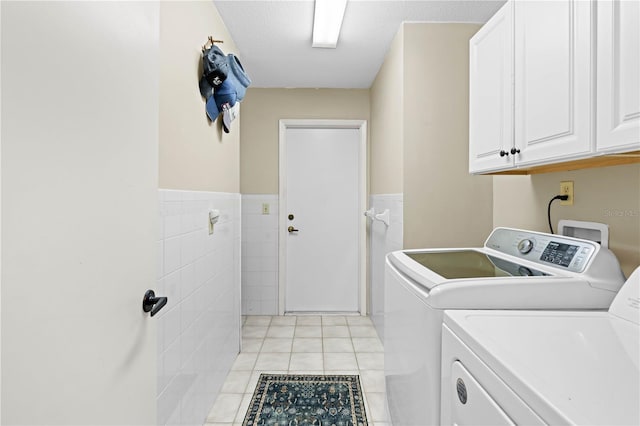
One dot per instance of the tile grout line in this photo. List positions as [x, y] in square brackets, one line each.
[293, 338]
[324, 371]
[252, 371]
[355, 354]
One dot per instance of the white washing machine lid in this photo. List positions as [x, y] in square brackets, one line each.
[569, 367]
[513, 254]
[486, 281]
[433, 267]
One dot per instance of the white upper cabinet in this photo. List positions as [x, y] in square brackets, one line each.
[618, 76]
[491, 94]
[553, 80]
[572, 76]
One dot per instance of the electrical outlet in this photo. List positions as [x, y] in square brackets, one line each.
[566, 188]
[265, 208]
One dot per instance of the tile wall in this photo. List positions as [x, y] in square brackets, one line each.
[383, 239]
[199, 328]
[259, 254]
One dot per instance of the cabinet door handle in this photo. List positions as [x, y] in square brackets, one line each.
[503, 153]
[515, 151]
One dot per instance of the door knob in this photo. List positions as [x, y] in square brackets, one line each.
[292, 229]
[151, 303]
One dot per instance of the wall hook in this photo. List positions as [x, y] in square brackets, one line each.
[383, 217]
[210, 42]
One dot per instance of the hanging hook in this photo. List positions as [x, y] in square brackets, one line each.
[210, 42]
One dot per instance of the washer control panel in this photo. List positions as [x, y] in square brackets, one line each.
[559, 253]
[562, 252]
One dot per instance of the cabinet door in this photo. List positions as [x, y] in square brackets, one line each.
[618, 81]
[554, 83]
[491, 93]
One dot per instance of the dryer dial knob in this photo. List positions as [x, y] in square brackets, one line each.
[525, 246]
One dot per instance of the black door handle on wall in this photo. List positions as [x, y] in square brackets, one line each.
[151, 303]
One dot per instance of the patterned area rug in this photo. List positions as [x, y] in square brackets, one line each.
[287, 400]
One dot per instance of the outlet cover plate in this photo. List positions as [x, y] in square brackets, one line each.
[566, 188]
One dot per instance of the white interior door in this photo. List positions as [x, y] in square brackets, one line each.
[323, 220]
[79, 211]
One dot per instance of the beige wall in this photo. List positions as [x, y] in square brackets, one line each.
[195, 154]
[261, 111]
[387, 106]
[444, 206]
[609, 195]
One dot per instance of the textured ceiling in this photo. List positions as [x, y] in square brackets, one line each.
[274, 37]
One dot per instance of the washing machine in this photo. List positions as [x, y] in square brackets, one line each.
[515, 269]
[534, 367]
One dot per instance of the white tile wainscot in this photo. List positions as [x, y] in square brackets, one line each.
[259, 254]
[199, 328]
[383, 239]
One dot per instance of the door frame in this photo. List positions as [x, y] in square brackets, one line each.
[361, 126]
[0, 221]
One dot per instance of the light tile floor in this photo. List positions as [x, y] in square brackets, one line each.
[331, 344]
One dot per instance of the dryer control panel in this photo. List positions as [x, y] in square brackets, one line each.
[565, 253]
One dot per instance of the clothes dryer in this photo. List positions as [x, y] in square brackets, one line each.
[535, 367]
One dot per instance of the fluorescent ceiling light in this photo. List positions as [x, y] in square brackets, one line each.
[327, 21]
